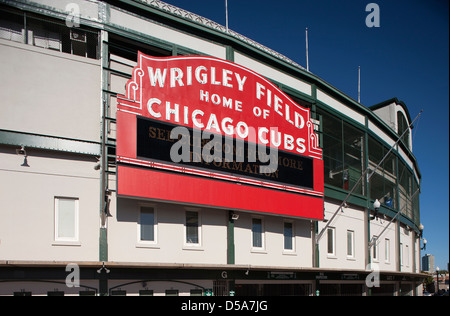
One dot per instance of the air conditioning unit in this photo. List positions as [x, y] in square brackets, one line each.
[78, 35]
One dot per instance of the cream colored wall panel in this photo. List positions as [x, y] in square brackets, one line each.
[170, 246]
[62, 92]
[117, 83]
[351, 219]
[335, 104]
[406, 249]
[86, 9]
[387, 252]
[272, 252]
[272, 73]
[137, 24]
[381, 134]
[27, 211]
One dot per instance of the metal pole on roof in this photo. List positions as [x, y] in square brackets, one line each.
[359, 84]
[307, 53]
[226, 14]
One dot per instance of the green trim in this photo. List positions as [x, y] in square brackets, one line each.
[103, 244]
[49, 142]
[230, 53]
[366, 166]
[340, 194]
[399, 250]
[316, 263]
[230, 240]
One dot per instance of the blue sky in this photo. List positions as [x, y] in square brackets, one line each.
[406, 57]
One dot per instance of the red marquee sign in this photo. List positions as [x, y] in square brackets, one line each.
[243, 112]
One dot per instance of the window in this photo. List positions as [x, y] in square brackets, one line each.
[196, 292]
[407, 255]
[387, 250]
[383, 183]
[353, 158]
[332, 150]
[12, 26]
[45, 32]
[22, 293]
[405, 187]
[375, 248]
[147, 225]
[401, 253]
[402, 126]
[66, 219]
[192, 228]
[172, 293]
[350, 244]
[331, 241]
[257, 233]
[343, 152]
[288, 232]
[145, 292]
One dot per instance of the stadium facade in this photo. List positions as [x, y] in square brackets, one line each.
[95, 200]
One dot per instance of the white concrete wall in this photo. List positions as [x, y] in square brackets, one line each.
[387, 257]
[272, 73]
[273, 253]
[27, 209]
[388, 115]
[123, 244]
[407, 246]
[50, 93]
[352, 219]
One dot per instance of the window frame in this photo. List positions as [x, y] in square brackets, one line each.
[199, 243]
[148, 243]
[406, 255]
[401, 255]
[331, 254]
[261, 248]
[387, 250]
[375, 249]
[292, 238]
[76, 223]
[352, 247]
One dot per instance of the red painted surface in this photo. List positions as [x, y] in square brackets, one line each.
[169, 186]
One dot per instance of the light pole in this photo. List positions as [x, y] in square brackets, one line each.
[376, 206]
[421, 227]
[424, 244]
[437, 280]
